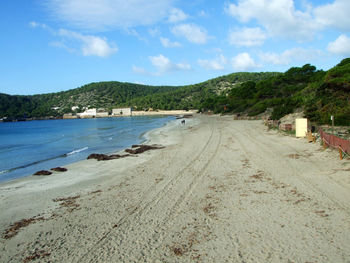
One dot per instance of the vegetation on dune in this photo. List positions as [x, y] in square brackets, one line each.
[319, 93]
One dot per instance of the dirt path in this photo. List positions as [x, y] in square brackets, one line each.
[227, 191]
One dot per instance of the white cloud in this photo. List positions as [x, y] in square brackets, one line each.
[247, 37]
[105, 14]
[168, 44]
[139, 70]
[334, 15]
[214, 50]
[278, 17]
[218, 63]
[60, 44]
[154, 32]
[340, 46]
[34, 24]
[90, 45]
[177, 15]
[243, 62]
[202, 13]
[191, 32]
[164, 65]
[289, 55]
[72, 41]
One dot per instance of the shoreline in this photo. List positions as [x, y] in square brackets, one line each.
[64, 183]
[220, 191]
[75, 117]
[138, 140]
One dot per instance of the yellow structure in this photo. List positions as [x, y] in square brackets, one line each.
[301, 127]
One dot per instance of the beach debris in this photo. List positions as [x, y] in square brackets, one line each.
[139, 149]
[187, 245]
[36, 255]
[178, 251]
[43, 172]
[105, 157]
[157, 180]
[294, 156]
[258, 176]
[69, 202]
[118, 156]
[321, 213]
[99, 157]
[143, 148]
[59, 169]
[95, 192]
[260, 192]
[15, 227]
[208, 208]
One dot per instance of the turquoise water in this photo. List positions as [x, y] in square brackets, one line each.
[26, 147]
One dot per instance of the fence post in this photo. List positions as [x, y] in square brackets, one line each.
[340, 153]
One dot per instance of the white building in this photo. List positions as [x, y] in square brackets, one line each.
[102, 114]
[75, 108]
[122, 112]
[88, 113]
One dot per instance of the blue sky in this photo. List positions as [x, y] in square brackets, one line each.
[55, 45]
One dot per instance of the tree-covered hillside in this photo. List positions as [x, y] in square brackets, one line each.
[113, 94]
[318, 93]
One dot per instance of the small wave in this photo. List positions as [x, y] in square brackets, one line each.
[31, 164]
[77, 151]
[105, 128]
[5, 171]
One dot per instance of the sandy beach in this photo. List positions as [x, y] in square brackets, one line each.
[219, 191]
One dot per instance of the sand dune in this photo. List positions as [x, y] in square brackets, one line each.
[220, 191]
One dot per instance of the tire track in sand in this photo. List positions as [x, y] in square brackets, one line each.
[267, 149]
[177, 207]
[136, 218]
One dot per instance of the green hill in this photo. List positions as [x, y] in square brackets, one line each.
[115, 94]
[318, 93]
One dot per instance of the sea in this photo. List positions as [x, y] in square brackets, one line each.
[29, 146]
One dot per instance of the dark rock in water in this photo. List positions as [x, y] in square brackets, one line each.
[105, 157]
[142, 148]
[43, 172]
[59, 169]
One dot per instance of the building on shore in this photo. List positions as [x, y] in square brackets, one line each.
[102, 114]
[88, 113]
[122, 112]
[93, 113]
[69, 116]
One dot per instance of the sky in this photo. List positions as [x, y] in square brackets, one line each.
[56, 45]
